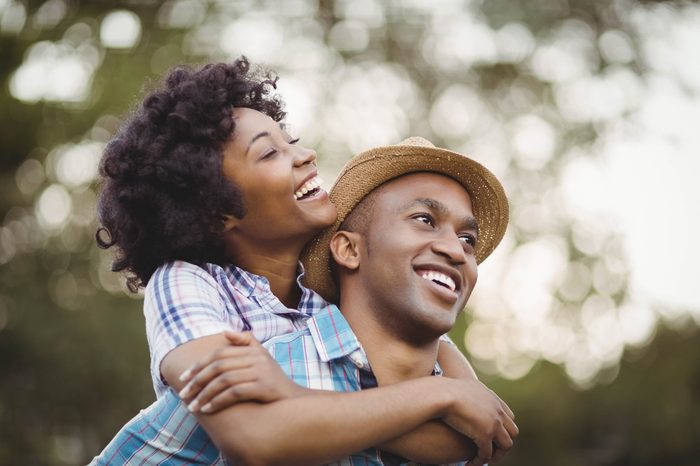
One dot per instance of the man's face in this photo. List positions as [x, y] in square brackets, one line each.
[417, 259]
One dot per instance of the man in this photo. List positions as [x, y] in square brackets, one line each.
[413, 221]
[405, 258]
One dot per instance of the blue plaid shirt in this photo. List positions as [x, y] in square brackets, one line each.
[184, 302]
[326, 355]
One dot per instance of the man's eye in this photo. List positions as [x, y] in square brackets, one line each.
[468, 239]
[425, 218]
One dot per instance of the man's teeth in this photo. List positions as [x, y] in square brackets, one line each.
[440, 278]
[308, 186]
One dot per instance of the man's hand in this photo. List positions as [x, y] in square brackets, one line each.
[244, 371]
[482, 416]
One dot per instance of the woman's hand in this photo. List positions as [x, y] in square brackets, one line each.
[244, 371]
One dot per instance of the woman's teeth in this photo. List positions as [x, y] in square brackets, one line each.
[440, 278]
[309, 186]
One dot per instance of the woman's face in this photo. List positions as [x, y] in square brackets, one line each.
[278, 177]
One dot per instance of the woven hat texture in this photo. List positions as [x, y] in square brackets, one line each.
[374, 167]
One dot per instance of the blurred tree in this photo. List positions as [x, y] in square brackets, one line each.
[496, 79]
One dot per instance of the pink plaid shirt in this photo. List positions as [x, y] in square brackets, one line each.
[184, 301]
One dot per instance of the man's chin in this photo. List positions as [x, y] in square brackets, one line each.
[438, 323]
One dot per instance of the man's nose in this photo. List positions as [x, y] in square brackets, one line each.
[448, 245]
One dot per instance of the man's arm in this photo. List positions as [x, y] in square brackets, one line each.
[325, 426]
[435, 442]
[432, 443]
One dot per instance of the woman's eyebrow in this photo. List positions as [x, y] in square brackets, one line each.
[255, 138]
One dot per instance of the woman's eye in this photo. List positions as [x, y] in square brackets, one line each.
[294, 141]
[268, 153]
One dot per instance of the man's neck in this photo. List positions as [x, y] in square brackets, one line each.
[278, 264]
[393, 358]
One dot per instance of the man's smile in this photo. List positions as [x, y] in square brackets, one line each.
[444, 280]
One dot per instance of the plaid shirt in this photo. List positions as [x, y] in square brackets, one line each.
[328, 356]
[325, 355]
[184, 302]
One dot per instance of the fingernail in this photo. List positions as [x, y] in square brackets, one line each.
[185, 375]
[206, 408]
[184, 392]
[193, 406]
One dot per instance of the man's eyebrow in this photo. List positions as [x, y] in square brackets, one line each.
[255, 138]
[431, 204]
[468, 222]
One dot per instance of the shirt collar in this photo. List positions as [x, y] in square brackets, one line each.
[244, 280]
[334, 339]
[251, 283]
[310, 300]
[332, 334]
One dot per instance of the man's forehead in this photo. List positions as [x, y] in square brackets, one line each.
[425, 182]
[434, 191]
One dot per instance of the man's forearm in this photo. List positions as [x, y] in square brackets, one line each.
[431, 443]
[435, 442]
[324, 426]
[317, 428]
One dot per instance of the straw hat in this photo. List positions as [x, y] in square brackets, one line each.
[376, 166]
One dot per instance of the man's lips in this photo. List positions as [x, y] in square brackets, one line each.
[444, 276]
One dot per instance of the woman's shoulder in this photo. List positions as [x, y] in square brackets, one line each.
[185, 278]
[182, 270]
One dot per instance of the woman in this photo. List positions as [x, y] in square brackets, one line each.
[209, 203]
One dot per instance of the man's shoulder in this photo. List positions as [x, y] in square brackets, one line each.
[165, 429]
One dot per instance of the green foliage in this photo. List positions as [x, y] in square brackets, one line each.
[73, 354]
[648, 416]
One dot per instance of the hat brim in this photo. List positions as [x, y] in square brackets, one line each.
[374, 167]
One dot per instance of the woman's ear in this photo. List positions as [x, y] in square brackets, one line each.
[345, 248]
[228, 223]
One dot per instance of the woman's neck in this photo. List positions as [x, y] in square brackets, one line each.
[278, 264]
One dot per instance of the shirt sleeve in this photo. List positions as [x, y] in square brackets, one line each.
[182, 302]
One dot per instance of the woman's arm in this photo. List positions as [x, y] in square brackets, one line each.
[325, 426]
[453, 362]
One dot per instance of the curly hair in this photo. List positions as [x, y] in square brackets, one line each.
[163, 192]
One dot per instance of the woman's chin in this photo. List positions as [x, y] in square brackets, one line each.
[323, 217]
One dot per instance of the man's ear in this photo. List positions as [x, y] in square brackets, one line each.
[228, 223]
[345, 249]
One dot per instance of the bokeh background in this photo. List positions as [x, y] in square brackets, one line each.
[586, 318]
